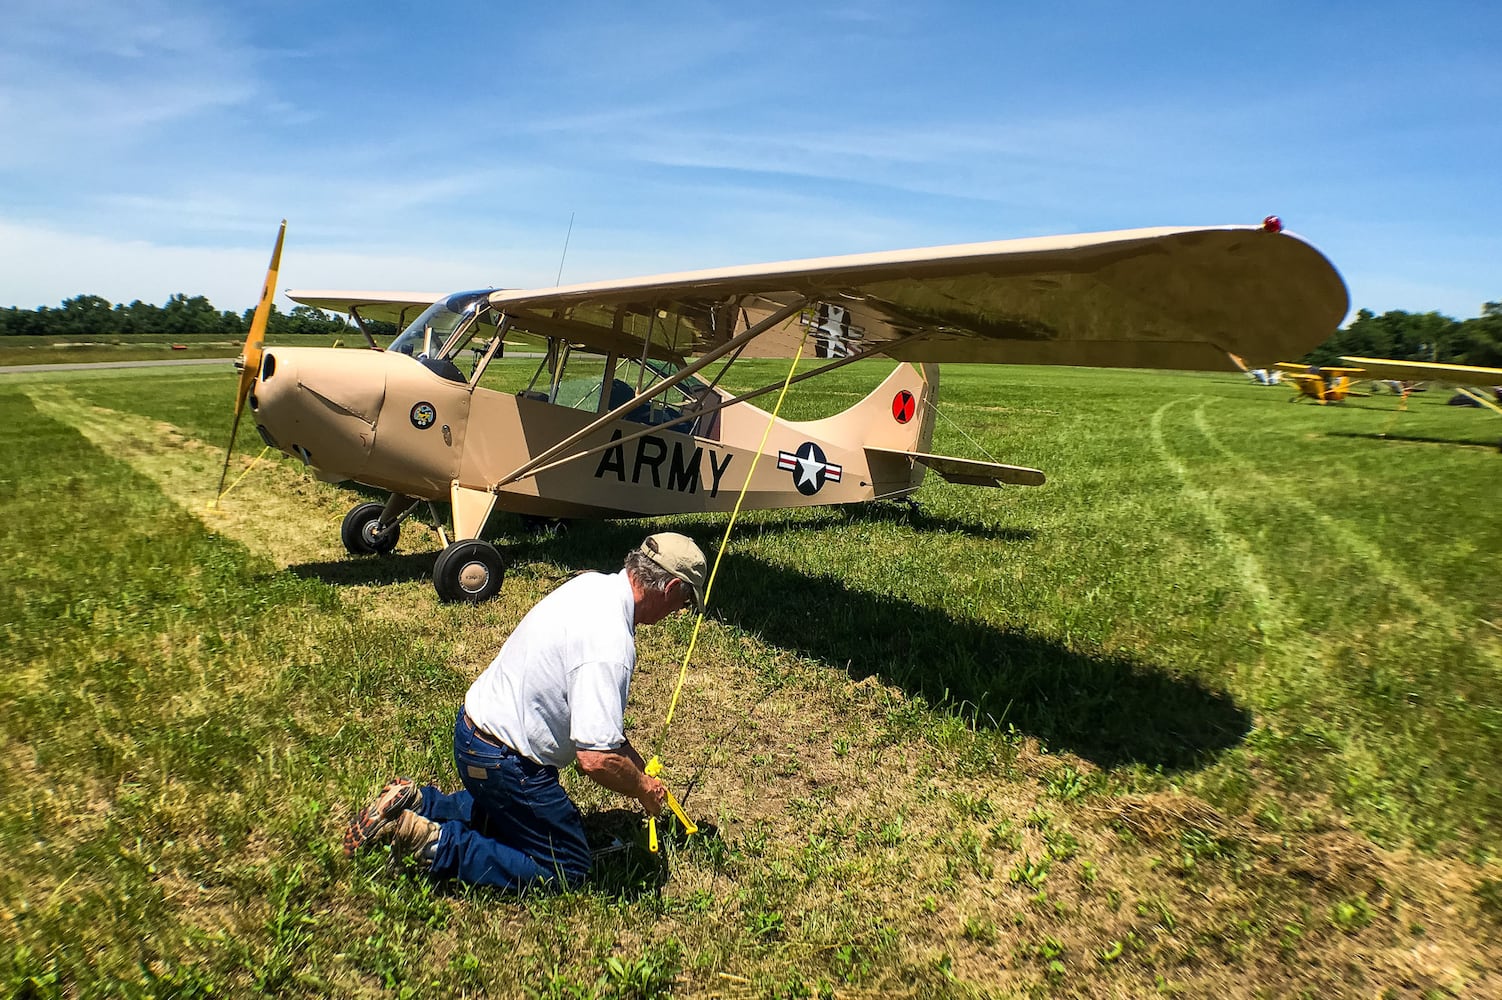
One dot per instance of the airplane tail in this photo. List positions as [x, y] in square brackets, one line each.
[893, 422]
[894, 426]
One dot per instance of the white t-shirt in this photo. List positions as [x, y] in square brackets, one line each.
[559, 683]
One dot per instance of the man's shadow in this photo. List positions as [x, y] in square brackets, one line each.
[622, 861]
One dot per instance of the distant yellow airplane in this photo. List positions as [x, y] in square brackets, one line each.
[1320, 383]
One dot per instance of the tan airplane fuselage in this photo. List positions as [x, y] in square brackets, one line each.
[384, 419]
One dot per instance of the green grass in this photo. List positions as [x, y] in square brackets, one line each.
[1215, 711]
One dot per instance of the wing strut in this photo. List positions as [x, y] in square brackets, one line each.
[1472, 394]
[682, 373]
[354, 312]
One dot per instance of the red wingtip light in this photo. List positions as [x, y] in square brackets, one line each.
[1272, 224]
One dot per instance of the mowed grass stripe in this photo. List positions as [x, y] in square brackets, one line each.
[1272, 617]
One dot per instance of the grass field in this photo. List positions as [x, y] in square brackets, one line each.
[1216, 712]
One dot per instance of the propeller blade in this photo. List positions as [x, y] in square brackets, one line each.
[249, 362]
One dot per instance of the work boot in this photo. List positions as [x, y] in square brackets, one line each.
[398, 795]
[412, 836]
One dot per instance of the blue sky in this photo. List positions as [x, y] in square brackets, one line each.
[153, 146]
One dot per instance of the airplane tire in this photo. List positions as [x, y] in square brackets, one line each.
[469, 571]
[358, 532]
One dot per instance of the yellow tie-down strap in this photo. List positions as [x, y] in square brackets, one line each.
[654, 768]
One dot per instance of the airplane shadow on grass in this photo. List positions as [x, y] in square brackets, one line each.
[882, 512]
[1109, 709]
[1417, 439]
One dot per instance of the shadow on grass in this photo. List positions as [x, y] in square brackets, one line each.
[622, 864]
[1109, 709]
[397, 567]
[1418, 439]
[889, 512]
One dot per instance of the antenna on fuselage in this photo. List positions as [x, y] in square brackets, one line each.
[559, 280]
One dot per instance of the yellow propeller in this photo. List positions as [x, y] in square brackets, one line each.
[249, 361]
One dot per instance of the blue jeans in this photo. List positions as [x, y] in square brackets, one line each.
[511, 826]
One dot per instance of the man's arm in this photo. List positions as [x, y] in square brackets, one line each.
[622, 770]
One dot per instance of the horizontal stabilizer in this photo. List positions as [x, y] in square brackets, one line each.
[963, 470]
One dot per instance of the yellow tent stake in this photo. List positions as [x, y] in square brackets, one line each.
[241, 476]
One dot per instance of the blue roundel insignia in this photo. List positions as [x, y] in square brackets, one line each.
[809, 468]
[423, 416]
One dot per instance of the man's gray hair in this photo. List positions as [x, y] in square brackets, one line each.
[647, 573]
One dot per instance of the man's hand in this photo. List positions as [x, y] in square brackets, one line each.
[654, 795]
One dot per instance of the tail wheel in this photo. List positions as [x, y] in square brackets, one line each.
[549, 526]
[361, 532]
[469, 571]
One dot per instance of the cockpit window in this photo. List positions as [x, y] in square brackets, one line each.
[438, 325]
[576, 379]
[428, 332]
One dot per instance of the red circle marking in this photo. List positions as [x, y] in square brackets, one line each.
[903, 406]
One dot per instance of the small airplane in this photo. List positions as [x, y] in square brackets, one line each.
[1321, 383]
[1257, 376]
[624, 417]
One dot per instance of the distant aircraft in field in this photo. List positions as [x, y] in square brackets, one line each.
[624, 418]
[1321, 383]
[1482, 386]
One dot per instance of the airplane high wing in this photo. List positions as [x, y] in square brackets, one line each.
[1151, 298]
[1141, 298]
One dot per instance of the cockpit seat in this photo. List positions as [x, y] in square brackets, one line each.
[442, 367]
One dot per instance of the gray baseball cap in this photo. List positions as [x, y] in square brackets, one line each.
[679, 556]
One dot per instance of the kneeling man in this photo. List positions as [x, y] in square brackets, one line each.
[555, 694]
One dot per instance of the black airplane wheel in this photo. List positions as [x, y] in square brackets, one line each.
[470, 571]
[360, 531]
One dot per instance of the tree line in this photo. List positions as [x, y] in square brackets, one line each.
[1403, 336]
[1429, 336]
[90, 317]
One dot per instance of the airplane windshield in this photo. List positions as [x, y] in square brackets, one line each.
[428, 332]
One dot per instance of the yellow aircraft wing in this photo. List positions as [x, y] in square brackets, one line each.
[1150, 298]
[1428, 371]
[1300, 368]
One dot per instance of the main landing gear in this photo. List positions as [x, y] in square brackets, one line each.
[468, 571]
[362, 533]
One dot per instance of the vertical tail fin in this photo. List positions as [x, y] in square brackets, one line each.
[897, 416]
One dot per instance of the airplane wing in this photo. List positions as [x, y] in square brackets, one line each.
[1149, 298]
[1427, 371]
[1300, 368]
[389, 307]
